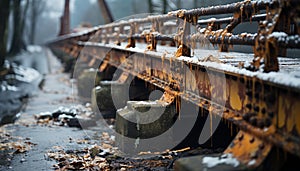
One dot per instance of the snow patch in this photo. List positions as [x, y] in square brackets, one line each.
[113, 138]
[224, 159]
[278, 34]
[137, 142]
[34, 48]
[146, 103]
[252, 162]
[5, 87]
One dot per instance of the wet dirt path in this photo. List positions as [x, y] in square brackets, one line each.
[58, 90]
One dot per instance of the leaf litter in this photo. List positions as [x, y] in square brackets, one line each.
[105, 156]
[98, 153]
[10, 145]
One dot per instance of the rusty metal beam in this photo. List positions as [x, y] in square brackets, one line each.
[229, 8]
[257, 109]
[254, 18]
[258, 105]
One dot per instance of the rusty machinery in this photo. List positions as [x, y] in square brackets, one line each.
[265, 110]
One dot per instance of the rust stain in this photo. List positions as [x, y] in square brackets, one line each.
[235, 101]
[246, 148]
[282, 106]
[296, 113]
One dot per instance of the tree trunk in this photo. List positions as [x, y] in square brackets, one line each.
[37, 8]
[18, 42]
[195, 3]
[178, 4]
[165, 5]
[4, 13]
[150, 5]
[33, 17]
[108, 18]
[135, 10]
[23, 21]
[65, 19]
[32, 28]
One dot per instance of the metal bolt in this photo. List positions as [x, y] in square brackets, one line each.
[252, 140]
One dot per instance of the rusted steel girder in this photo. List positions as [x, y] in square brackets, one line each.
[258, 105]
[253, 103]
[240, 39]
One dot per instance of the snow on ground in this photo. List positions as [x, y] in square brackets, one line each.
[34, 48]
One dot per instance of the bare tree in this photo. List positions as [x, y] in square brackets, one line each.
[65, 19]
[19, 20]
[165, 6]
[36, 8]
[195, 3]
[134, 7]
[150, 5]
[108, 18]
[158, 7]
[4, 13]
[178, 3]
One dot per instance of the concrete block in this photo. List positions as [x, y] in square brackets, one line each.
[86, 82]
[141, 124]
[102, 96]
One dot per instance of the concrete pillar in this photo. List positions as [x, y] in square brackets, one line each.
[102, 100]
[141, 124]
[87, 80]
[112, 95]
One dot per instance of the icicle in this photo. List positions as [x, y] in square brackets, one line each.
[137, 142]
[210, 116]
